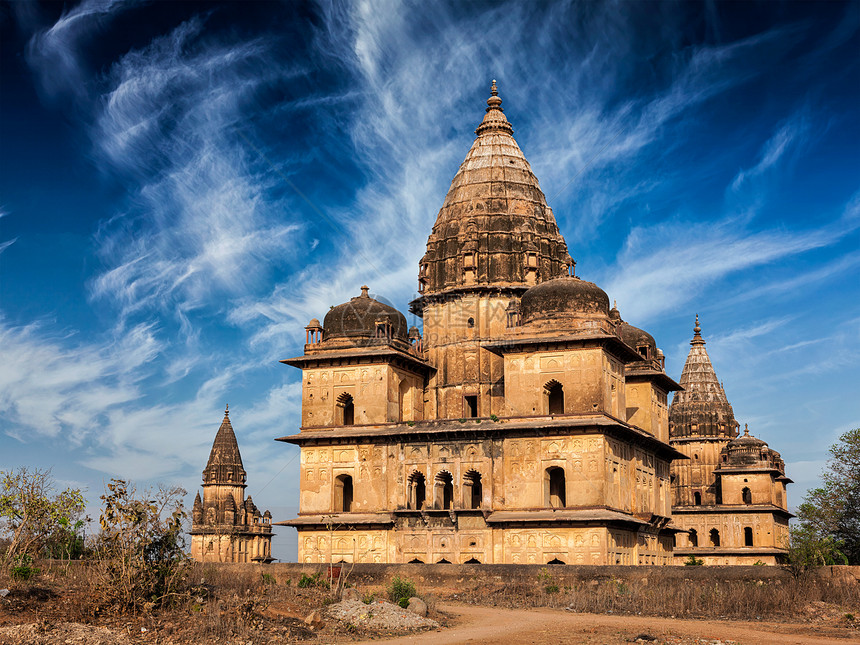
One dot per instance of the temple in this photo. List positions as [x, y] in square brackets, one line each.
[226, 525]
[730, 492]
[527, 422]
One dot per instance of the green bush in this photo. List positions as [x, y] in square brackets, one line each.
[316, 580]
[693, 561]
[401, 590]
[21, 567]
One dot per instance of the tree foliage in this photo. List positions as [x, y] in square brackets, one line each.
[34, 515]
[141, 548]
[828, 530]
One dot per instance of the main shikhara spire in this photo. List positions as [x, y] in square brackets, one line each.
[495, 227]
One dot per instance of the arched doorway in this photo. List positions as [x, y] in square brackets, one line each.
[343, 493]
[555, 493]
[417, 492]
[345, 410]
[473, 492]
[554, 396]
[444, 493]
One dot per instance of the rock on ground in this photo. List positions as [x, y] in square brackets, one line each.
[417, 606]
[379, 614]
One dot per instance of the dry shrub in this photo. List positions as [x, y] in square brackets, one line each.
[141, 548]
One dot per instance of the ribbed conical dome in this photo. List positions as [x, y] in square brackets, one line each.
[225, 462]
[701, 408]
[496, 213]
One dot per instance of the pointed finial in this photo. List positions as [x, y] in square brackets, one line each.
[364, 290]
[614, 303]
[697, 334]
[227, 410]
[494, 102]
[746, 430]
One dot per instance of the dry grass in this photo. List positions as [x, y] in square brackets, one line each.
[713, 598]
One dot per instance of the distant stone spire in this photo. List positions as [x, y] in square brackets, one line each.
[701, 408]
[225, 462]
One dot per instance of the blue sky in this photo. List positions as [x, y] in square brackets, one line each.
[184, 185]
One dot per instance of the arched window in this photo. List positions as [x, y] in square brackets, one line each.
[555, 561]
[473, 492]
[748, 536]
[554, 488]
[472, 561]
[746, 494]
[416, 491]
[343, 493]
[694, 538]
[715, 537]
[415, 561]
[444, 561]
[345, 410]
[554, 395]
[444, 490]
[697, 498]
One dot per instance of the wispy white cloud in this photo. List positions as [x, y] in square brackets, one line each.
[663, 266]
[56, 52]
[53, 384]
[202, 226]
[790, 136]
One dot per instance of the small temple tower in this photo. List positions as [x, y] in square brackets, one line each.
[226, 525]
[729, 495]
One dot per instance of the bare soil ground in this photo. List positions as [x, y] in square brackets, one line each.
[489, 625]
[232, 607]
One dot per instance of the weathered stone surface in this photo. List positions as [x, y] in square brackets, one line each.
[351, 593]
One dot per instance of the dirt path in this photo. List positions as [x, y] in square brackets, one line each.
[494, 626]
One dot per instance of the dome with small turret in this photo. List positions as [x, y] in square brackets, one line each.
[565, 296]
[637, 338]
[358, 318]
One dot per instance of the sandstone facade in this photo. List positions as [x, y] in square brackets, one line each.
[528, 423]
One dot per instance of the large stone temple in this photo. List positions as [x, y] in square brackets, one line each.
[730, 492]
[227, 526]
[528, 423]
